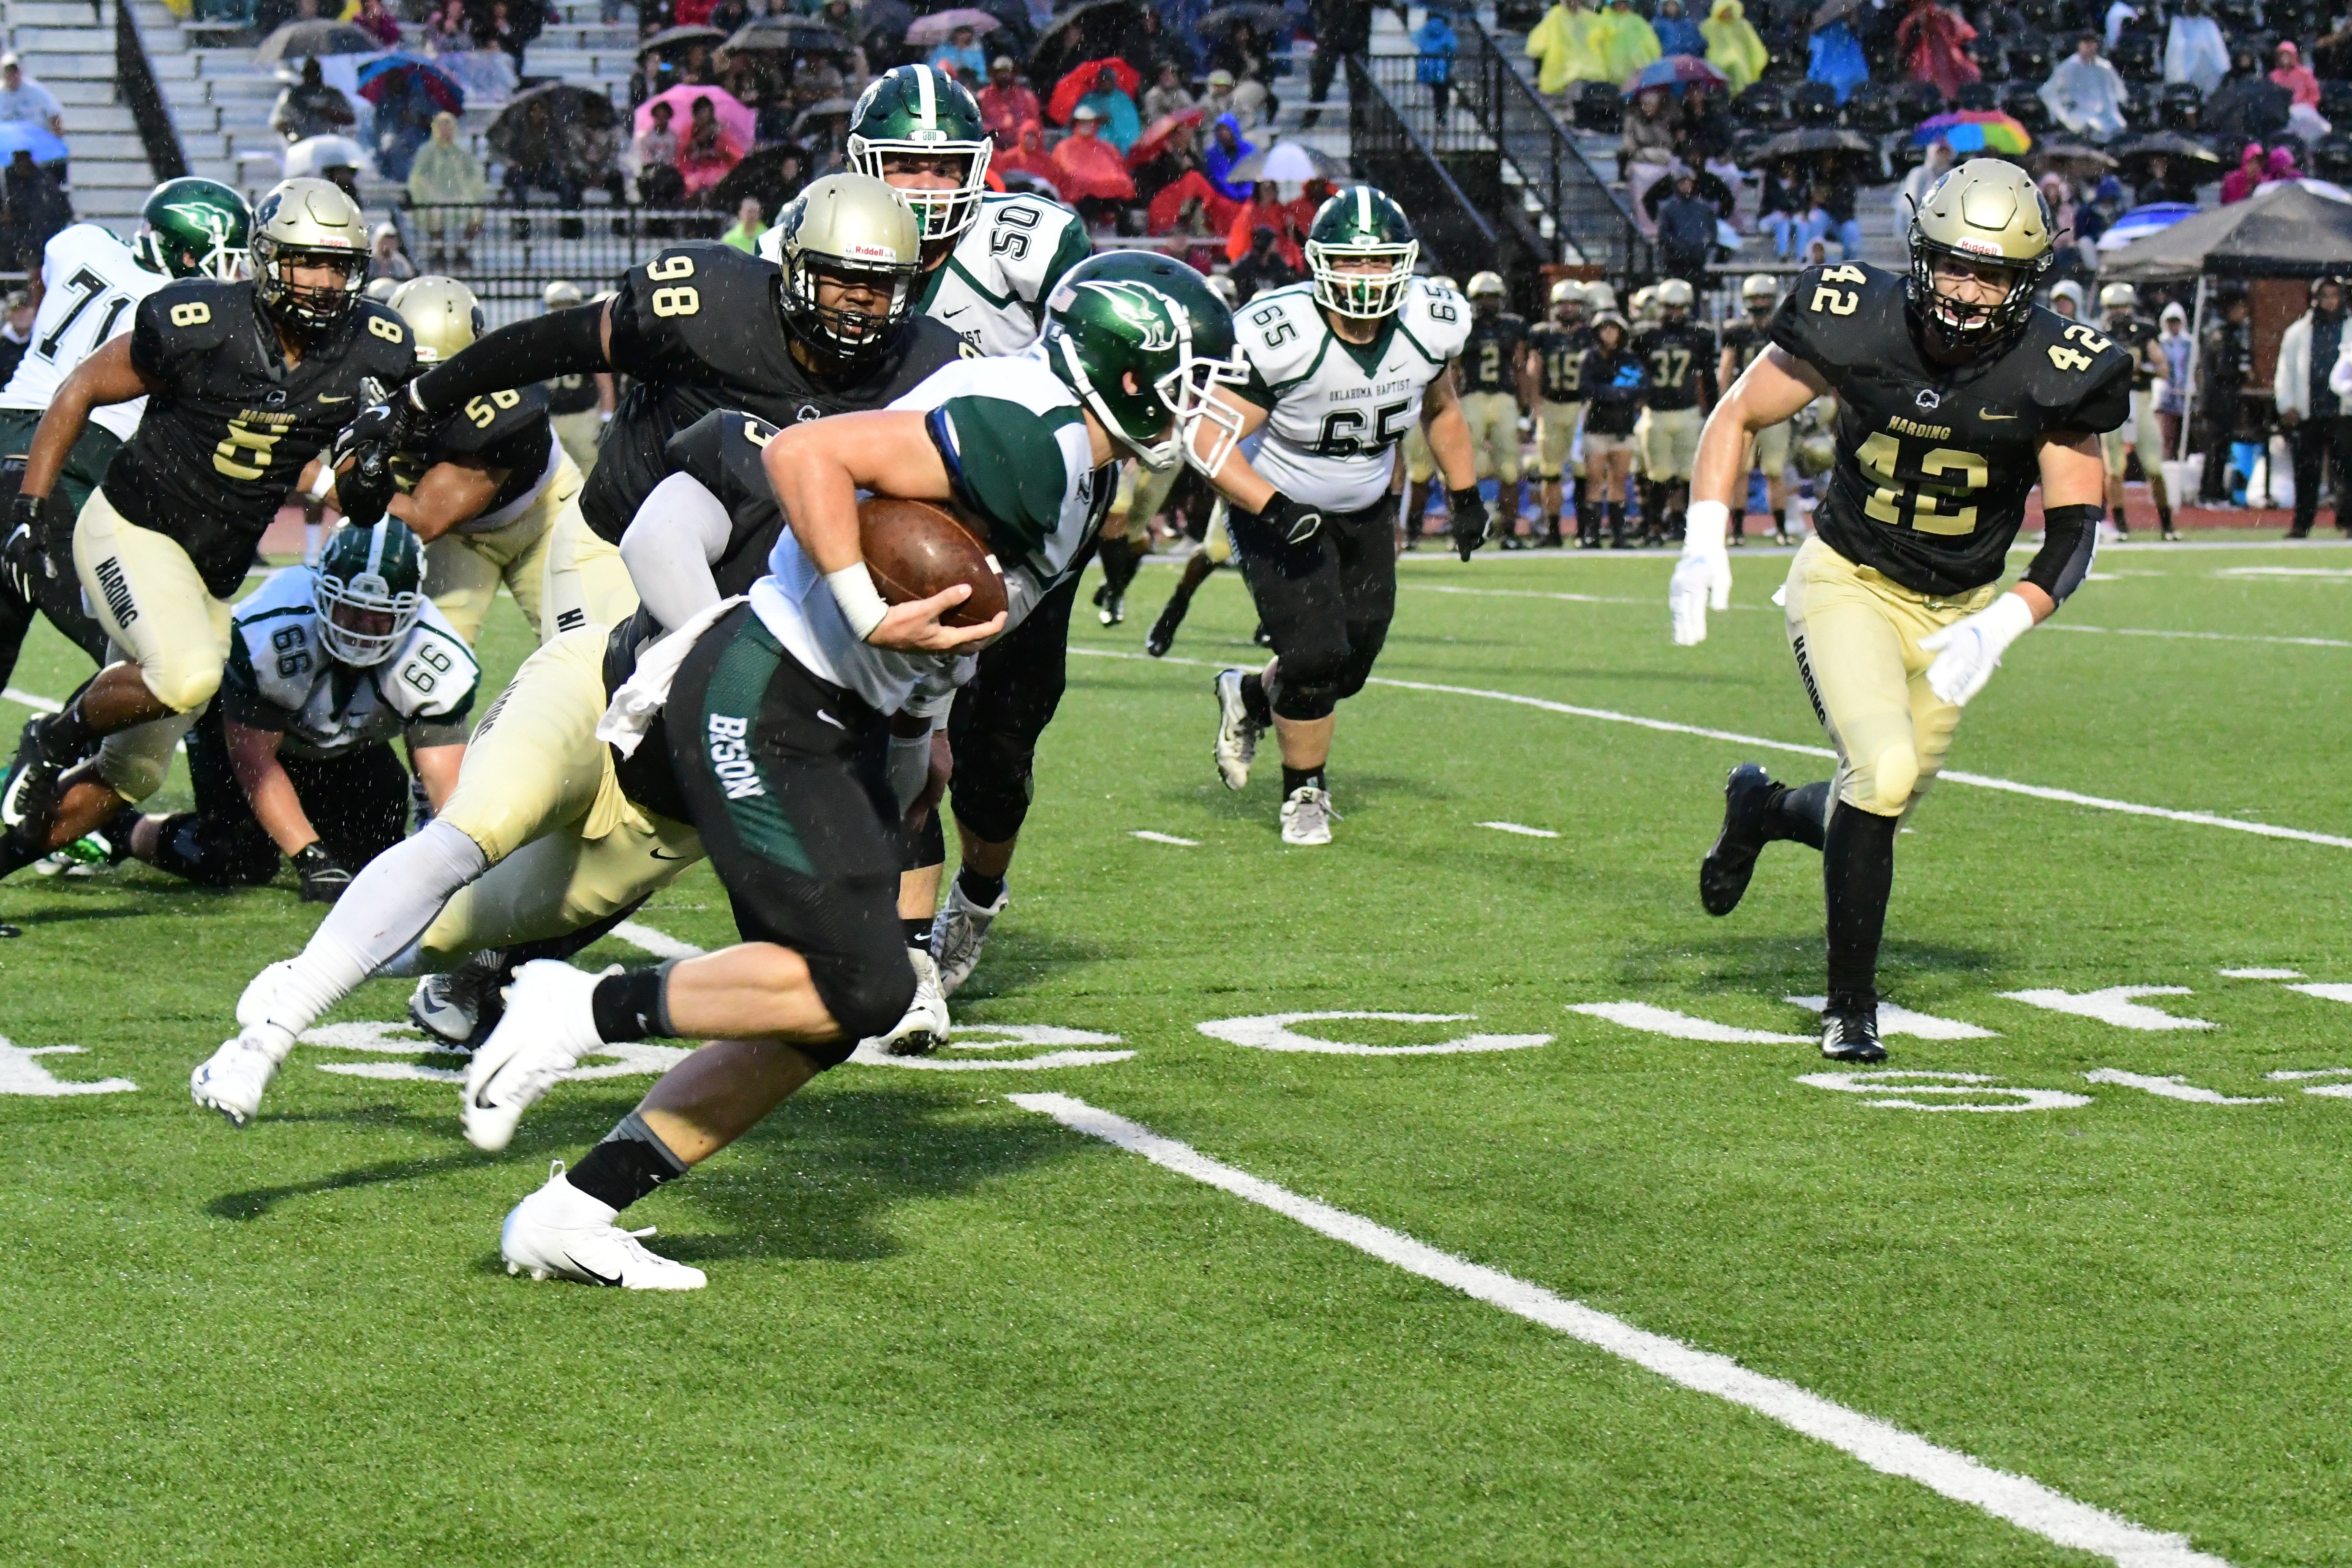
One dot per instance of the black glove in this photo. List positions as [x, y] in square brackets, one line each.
[367, 489]
[395, 425]
[22, 555]
[1470, 520]
[1293, 522]
[323, 881]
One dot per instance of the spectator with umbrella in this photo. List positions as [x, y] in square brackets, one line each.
[709, 150]
[1226, 148]
[23, 101]
[407, 94]
[1341, 27]
[961, 56]
[310, 107]
[1835, 198]
[1090, 171]
[1095, 83]
[1676, 33]
[2086, 93]
[1112, 100]
[1732, 45]
[1238, 47]
[2247, 103]
[1566, 49]
[2193, 49]
[1783, 203]
[446, 174]
[1934, 48]
[534, 155]
[1007, 103]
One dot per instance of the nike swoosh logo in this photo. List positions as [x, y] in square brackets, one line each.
[324, 398]
[659, 856]
[1988, 414]
[591, 1273]
[832, 720]
[959, 311]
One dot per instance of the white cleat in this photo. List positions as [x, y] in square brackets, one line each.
[234, 1077]
[1238, 733]
[555, 1234]
[550, 1024]
[924, 1029]
[958, 933]
[253, 1005]
[1307, 816]
[450, 1006]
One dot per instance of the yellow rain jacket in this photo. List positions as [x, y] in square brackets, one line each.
[1625, 42]
[1564, 48]
[1732, 45]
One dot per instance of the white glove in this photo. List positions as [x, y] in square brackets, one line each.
[1968, 650]
[1703, 577]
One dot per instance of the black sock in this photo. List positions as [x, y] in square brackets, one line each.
[1800, 812]
[628, 1005]
[1779, 519]
[1857, 877]
[65, 734]
[978, 889]
[1254, 697]
[918, 930]
[2164, 515]
[630, 1163]
[1293, 778]
[1616, 509]
[16, 853]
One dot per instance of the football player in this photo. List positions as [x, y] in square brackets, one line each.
[87, 282]
[246, 383]
[700, 327]
[1743, 341]
[1489, 396]
[1556, 348]
[1338, 371]
[2119, 308]
[580, 403]
[1680, 354]
[326, 666]
[1955, 395]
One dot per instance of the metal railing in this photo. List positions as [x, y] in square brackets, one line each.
[1385, 148]
[508, 253]
[135, 85]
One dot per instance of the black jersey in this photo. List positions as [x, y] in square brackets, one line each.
[1560, 359]
[1490, 355]
[1746, 340]
[501, 430]
[2133, 335]
[720, 452]
[1935, 462]
[1616, 384]
[1680, 356]
[573, 394]
[699, 329]
[233, 427]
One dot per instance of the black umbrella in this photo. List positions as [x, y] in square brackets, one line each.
[296, 39]
[785, 35]
[1084, 33]
[565, 105]
[1814, 139]
[676, 37]
[2166, 144]
[1264, 18]
[2285, 230]
[774, 174]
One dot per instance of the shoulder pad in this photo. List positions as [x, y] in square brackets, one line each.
[1438, 319]
[1836, 315]
[199, 311]
[1279, 333]
[434, 674]
[2067, 363]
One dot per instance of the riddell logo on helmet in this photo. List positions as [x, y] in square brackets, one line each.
[865, 252]
[1976, 246]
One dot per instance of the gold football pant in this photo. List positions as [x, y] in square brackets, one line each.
[1770, 451]
[1857, 638]
[537, 792]
[1556, 426]
[1667, 441]
[463, 571]
[579, 433]
[1493, 421]
[586, 583]
[1419, 462]
[156, 609]
[2141, 430]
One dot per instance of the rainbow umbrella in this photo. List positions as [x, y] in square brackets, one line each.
[378, 80]
[1975, 131]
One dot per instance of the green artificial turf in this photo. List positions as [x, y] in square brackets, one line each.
[943, 1328]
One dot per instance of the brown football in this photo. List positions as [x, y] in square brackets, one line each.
[915, 549]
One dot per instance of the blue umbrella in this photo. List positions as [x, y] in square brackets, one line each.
[379, 77]
[2141, 222]
[38, 139]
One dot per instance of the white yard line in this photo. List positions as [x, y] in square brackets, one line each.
[1149, 837]
[1521, 828]
[659, 943]
[27, 699]
[2018, 1499]
[1981, 781]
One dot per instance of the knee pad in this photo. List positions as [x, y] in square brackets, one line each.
[865, 994]
[134, 772]
[183, 684]
[1893, 775]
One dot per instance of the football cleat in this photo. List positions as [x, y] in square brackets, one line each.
[958, 933]
[1238, 733]
[34, 788]
[461, 1007]
[261, 991]
[1307, 816]
[233, 1079]
[1723, 874]
[549, 1237]
[549, 1025]
[1851, 1036]
[1111, 605]
[1162, 635]
[924, 1029]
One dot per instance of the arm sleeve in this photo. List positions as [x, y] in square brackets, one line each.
[669, 546]
[2070, 540]
[562, 342]
[448, 730]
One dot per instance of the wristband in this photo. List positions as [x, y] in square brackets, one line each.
[861, 606]
[2007, 618]
[1705, 526]
[323, 483]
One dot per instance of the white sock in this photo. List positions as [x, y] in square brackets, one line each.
[387, 908]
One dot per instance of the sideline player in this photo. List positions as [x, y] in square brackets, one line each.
[1743, 342]
[2119, 305]
[1955, 394]
[1489, 394]
[1556, 350]
[1339, 369]
[82, 297]
[700, 327]
[1680, 353]
[327, 664]
[246, 383]
[579, 403]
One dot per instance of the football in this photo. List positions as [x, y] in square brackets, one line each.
[915, 549]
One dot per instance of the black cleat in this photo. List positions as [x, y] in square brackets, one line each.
[1723, 874]
[1851, 1036]
[1261, 636]
[34, 788]
[1162, 635]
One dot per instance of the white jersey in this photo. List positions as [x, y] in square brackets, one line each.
[992, 287]
[279, 675]
[1337, 409]
[89, 282]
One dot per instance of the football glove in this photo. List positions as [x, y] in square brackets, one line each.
[395, 425]
[1968, 650]
[1703, 577]
[365, 491]
[323, 881]
[1292, 521]
[21, 556]
[1471, 520]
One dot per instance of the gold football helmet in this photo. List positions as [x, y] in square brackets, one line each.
[2119, 297]
[441, 312]
[1674, 294]
[1759, 292]
[308, 223]
[1988, 212]
[848, 229]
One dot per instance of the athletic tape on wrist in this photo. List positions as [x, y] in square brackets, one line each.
[1705, 526]
[861, 604]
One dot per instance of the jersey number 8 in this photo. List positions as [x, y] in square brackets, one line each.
[676, 302]
[1923, 500]
[480, 412]
[195, 313]
[242, 438]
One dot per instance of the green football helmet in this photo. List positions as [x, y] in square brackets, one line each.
[194, 228]
[369, 591]
[1136, 313]
[913, 112]
[1357, 225]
